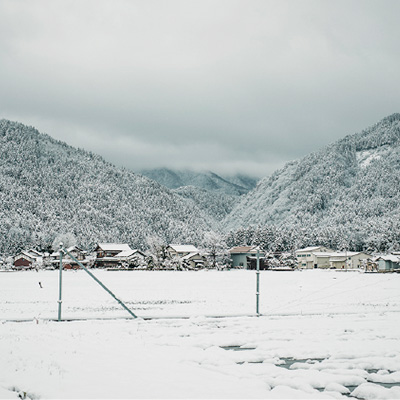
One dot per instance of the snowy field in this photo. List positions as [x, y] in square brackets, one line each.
[322, 335]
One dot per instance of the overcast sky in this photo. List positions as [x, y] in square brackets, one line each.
[229, 86]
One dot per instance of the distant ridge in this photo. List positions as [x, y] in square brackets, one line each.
[235, 185]
[216, 204]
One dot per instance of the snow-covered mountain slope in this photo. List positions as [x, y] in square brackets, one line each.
[347, 194]
[352, 185]
[216, 204]
[235, 185]
[48, 188]
[214, 194]
[244, 181]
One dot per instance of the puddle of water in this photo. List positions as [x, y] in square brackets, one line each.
[237, 348]
[372, 371]
[288, 362]
[249, 362]
[386, 385]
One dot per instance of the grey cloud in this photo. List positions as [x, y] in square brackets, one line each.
[226, 85]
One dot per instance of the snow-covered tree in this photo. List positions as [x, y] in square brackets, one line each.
[67, 239]
[215, 248]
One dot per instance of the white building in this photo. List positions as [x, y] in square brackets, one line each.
[322, 257]
[306, 258]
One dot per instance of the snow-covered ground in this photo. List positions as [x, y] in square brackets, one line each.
[323, 334]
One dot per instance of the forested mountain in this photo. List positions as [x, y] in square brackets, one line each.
[235, 185]
[214, 194]
[48, 188]
[344, 196]
[217, 205]
[244, 181]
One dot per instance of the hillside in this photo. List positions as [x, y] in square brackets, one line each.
[213, 194]
[48, 188]
[235, 185]
[346, 195]
[215, 204]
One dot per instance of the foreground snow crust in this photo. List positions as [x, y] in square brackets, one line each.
[322, 335]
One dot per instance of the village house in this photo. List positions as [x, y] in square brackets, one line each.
[193, 260]
[241, 256]
[112, 255]
[28, 259]
[67, 261]
[390, 262]
[181, 250]
[131, 257]
[188, 255]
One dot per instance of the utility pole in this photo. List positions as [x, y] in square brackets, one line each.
[60, 283]
[258, 283]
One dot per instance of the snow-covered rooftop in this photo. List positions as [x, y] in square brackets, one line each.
[389, 257]
[242, 249]
[312, 248]
[35, 252]
[69, 249]
[27, 254]
[336, 254]
[184, 248]
[338, 259]
[190, 255]
[127, 253]
[114, 246]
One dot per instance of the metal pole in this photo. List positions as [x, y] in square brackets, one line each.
[258, 284]
[101, 284]
[60, 285]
